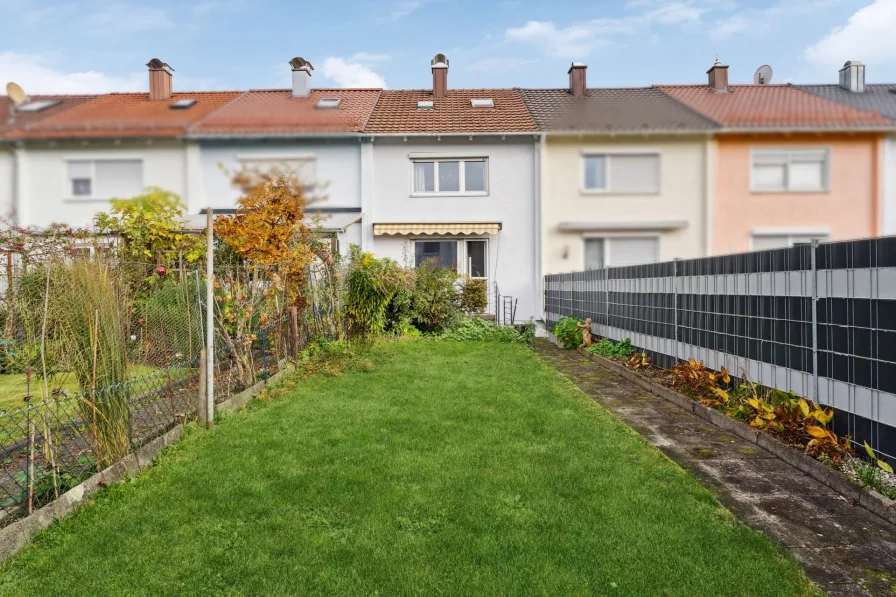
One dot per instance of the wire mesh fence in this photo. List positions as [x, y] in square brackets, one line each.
[99, 357]
[818, 320]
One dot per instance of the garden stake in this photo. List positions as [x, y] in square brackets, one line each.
[167, 368]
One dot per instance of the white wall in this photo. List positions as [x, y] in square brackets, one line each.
[682, 197]
[7, 179]
[338, 169]
[888, 226]
[510, 200]
[44, 189]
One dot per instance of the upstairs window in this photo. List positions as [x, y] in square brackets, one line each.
[621, 173]
[105, 179]
[785, 171]
[450, 177]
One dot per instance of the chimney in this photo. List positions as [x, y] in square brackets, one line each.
[577, 84]
[852, 76]
[301, 77]
[439, 76]
[718, 77]
[159, 80]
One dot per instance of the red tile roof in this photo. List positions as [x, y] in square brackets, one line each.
[126, 115]
[24, 118]
[397, 112]
[773, 107]
[276, 111]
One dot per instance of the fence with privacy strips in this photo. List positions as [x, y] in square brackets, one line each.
[148, 321]
[818, 320]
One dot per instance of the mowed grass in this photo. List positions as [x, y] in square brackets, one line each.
[14, 387]
[450, 469]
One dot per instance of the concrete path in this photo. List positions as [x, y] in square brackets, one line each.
[844, 548]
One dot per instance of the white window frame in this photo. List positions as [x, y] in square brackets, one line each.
[67, 193]
[790, 233]
[608, 154]
[460, 248]
[462, 175]
[792, 153]
[608, 245]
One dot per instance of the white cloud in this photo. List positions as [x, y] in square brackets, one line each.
[760, 21]
[868, 35]
[401, 9]
[351, 74]
[579, 40]
[36, 75]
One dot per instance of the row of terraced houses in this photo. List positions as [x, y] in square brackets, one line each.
[505, 184]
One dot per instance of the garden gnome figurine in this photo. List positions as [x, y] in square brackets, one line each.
[586, 333]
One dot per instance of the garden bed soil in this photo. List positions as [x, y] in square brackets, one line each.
[651, 379]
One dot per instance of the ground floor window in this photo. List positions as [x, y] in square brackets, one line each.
[603, 252]
[763, 242]
[466, 256]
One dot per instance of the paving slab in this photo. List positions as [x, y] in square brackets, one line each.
[846, 550]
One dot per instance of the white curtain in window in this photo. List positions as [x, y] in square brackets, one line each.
[634, 173]
[594, 253]
[120, 179]
[633, 251]
[424, 177]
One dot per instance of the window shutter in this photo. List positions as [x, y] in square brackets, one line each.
[633, 251]
[635, 173]
[594, 253]
[79, 170]
[120, 179]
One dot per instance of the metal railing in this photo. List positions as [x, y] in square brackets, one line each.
[818, 320]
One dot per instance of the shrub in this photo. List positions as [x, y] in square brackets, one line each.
[474, 296]
[370, 285]
[613, 350]
[429, 301]
[479, 330]
[568, 332]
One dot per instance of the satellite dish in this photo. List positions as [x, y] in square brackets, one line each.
[763, 75]
[16, 94]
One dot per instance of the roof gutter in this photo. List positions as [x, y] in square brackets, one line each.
[245, 136]
[14, 181]
[458, 134]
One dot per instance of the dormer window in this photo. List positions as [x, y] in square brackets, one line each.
[329, 103]
[425, 105]
[482, 102]
[183, 104]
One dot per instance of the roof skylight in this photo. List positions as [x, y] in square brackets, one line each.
[482, 102]
[183, 104]
[328, 103]
[425, 105]
[38, 106]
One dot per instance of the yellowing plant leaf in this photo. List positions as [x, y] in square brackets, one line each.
[692, 363]
[885, 467]
[725, 377]
[817, 432]
[804, 407]
[870, 451]
[721, 394]
[823, 416]
[754, 403]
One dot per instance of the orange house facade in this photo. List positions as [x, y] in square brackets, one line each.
[787, 167]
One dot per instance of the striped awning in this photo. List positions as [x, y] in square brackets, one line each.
[442, 228]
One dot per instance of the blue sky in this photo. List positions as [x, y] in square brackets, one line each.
[97, 46]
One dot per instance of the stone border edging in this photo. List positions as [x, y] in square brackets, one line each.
[866, 497]
[18, 534]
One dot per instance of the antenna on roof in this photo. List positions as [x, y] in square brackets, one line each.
[763, 75]
[16, 94]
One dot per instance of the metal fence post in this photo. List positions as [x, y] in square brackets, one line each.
[607, 298]
[675, 307]
[814, 282]
[202, 397]
[210, 317]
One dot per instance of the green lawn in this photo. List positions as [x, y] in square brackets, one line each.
[13, 388]
[450, 469]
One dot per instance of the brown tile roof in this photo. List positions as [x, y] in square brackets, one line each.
[772, 107]
[127, 115]
[397, 112]
[637, 110]
[276, 111]
[24, 118]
